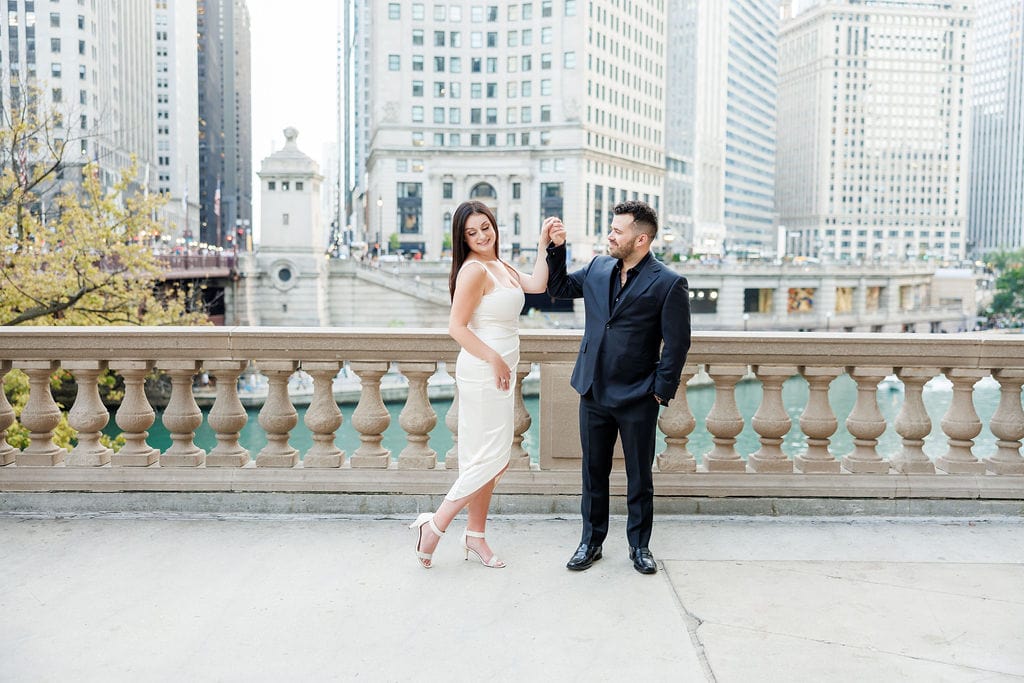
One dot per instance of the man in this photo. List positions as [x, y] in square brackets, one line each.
[623, 373]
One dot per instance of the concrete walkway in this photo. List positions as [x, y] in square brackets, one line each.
[295, 598]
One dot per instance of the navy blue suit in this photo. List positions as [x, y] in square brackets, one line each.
[632, 350]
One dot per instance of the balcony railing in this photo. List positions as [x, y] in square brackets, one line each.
[726, 359]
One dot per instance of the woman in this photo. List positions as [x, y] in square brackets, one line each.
[487, 296]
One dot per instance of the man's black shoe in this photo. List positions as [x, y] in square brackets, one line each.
[584, 556]
[643, 560]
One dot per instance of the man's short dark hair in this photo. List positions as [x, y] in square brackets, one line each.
[645, 218]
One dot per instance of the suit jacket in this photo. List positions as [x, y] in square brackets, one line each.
[622, 357]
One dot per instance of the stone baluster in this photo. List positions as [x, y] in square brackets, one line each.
[323, 417]
[371, 417]
[771, 421]
[961, 424]
[417, 419]
[520, 459]
[228, 416]
[818, 423]
[134, 416]
[676, 423]
[724, 422]
[278, 416]
[1007, 424]
[451, 421]
[865, 423]
[182, 416]
[7, 451]
[40, 416]
[88, 416]
[913, 423]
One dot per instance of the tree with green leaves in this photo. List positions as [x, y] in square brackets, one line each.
[74, 253]
[1008, 300]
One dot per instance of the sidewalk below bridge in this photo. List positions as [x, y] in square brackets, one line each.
[135, 597]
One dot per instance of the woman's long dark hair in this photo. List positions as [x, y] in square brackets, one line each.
[460, 250]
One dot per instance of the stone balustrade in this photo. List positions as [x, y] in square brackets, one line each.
[725, 359]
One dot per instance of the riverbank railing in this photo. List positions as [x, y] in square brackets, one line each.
[725, 359]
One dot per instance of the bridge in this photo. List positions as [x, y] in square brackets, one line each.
[197, 266]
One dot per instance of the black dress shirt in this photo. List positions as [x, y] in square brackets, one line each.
[617, 288]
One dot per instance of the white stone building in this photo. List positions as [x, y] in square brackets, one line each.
[177, 116]
[996, 219]
[720, 126]
[874, 129]
[290, 263]
[93, 62]
[536, 108]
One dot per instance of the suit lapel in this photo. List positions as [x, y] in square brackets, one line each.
[604, 283]
[644, 279]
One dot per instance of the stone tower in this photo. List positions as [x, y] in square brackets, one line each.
[291, 258]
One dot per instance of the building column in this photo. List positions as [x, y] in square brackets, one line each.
[730, 302]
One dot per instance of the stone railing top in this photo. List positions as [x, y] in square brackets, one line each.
[971, 350]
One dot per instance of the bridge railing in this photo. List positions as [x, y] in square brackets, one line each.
[723, 359]
[191, 261]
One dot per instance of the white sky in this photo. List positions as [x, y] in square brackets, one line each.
[293, 78]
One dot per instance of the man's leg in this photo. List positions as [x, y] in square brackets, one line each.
[598, 430]
[637, 424]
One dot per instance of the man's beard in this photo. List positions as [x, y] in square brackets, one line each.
[623, 250]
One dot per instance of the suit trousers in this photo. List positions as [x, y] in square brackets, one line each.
[635, 423]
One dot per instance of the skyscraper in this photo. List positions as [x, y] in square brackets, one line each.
[211, 115]
[874, 129]
[996, 219]
[535, 108]
[177, 115]
[225, 118]
[720, 125]
[236, 201]
[93, 63]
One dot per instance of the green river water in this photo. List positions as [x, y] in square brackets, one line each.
[842, 396]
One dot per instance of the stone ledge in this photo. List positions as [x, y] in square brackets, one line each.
[534, 482]
[205, 504]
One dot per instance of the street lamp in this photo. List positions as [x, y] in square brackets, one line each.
[669, 238]
[746, 319]
[380, 222]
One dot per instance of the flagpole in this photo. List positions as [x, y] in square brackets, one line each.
[184, 204]
[216, 210]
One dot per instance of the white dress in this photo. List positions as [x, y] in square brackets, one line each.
[486, 414]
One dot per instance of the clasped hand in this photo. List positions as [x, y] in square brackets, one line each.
[552, 231]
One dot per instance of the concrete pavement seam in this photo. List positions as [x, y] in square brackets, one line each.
[693, 623]
[868, 648]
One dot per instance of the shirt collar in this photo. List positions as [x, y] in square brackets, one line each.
[635, 269]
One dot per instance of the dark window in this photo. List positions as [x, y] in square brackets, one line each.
[483, 191]
[410, 207]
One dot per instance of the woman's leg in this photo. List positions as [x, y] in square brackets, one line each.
[479, 506]
[442, 518]
[479, 502]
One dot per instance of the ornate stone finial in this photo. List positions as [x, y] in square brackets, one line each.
[290, 134]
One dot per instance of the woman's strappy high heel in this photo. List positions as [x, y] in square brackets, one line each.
[493, 563]
[425, 518]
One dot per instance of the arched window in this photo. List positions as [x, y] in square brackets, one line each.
[483, 191]
[516, 225]
[447, 220]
